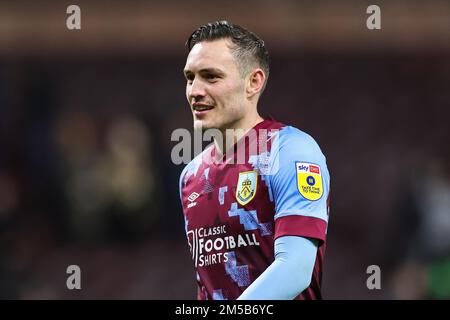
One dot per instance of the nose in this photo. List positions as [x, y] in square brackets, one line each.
[196, 90]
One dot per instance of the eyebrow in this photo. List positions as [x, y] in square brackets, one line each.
[205, 70]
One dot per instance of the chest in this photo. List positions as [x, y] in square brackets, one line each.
[234, 197]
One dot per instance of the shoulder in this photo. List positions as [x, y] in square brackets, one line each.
[293, 147]
[294, 140]
[192, 167]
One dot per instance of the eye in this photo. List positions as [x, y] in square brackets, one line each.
[211, 77]
[189, 77]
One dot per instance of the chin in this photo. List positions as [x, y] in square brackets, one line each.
[203, 125]
[200, 125]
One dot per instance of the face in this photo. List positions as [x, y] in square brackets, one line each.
[215, 88]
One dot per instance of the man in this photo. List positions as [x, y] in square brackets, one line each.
[256, 224]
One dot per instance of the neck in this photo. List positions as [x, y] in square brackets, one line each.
[231, 135]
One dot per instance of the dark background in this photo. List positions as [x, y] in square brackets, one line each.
[86, 116]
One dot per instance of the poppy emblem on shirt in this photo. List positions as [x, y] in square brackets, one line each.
[309, 180]
[246, 187]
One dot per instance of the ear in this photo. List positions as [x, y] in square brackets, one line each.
[255, 82]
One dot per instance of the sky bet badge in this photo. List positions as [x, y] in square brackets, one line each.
[309, 180]
[246, 187]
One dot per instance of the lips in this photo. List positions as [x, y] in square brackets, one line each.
[200, 110]
[201, 107]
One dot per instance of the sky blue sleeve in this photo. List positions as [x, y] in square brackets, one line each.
[299, 184]
[289, 274]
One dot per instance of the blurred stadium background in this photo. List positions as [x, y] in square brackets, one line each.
[86, 117]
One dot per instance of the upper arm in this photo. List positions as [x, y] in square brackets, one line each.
[299, 183]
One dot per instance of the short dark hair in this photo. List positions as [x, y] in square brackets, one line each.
[248, 48]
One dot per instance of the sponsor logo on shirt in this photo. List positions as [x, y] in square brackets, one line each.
[309, 180]
[210, 246]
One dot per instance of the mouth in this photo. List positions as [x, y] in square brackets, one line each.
[200, 110]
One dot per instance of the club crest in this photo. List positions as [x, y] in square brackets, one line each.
[246, 187]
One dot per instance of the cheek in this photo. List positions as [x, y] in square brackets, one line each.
[232, 96]
[237, 101]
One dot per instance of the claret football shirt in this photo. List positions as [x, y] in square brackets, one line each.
[273, 183]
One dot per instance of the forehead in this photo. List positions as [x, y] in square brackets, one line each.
[210, 54]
